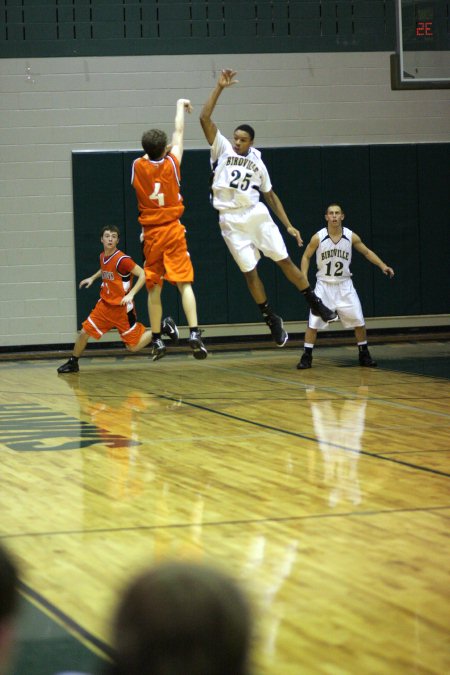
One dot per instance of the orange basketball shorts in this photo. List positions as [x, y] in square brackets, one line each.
[166, 255]
[104, 318]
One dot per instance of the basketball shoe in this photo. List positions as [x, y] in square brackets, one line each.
[275, 324]
[196, 344]
[158, 349]
[319, 309]
[170, 329]
[71, 366]
[305, 362]
[365, 359]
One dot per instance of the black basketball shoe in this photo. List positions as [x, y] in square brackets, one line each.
[275, 324]
[319, 309]
[170, 329]
[305, 362]
[71, 366]
[158, 349]
[196, 344]
[365, 360]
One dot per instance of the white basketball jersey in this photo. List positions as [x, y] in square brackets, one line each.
[333, 260]
[237, 180]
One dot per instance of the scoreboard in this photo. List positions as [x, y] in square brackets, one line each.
[422, 58]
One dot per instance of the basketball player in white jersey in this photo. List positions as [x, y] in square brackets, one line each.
[333, 246]
[239, 177]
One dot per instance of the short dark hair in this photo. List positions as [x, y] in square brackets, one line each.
[9, 585]
[182, 618]
[248, 129]
[110, 228]
[154, 143]
[334, 204]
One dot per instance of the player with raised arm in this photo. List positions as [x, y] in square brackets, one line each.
[239, 177]
[156, 179]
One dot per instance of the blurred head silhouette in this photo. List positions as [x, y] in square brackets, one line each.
[9, 600]
[181, 618]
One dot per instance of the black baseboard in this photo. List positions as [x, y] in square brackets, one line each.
[230, 343]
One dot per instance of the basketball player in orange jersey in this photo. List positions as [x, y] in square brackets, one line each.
[115, 308]
[156, 180]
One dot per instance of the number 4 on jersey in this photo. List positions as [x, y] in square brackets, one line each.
[157, 195]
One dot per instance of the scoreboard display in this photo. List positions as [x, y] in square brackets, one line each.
[422, 58]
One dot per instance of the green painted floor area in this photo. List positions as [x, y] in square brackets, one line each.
[428, 359]
[430, 367]
[46, 648]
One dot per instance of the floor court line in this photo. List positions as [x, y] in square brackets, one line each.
[314, 439]
[224, 523]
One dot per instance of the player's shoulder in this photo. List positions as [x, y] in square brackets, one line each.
[255, 153]
[172, 157]
[221, 144]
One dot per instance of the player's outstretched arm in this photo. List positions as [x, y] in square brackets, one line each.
[274, 202]
[308, 254]
[371, 256]
[176, 148]
[225, 79]
[90, 280]
[138, 272]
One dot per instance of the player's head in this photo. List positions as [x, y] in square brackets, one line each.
[334, 214]
[9, 601]
[243, 137]
[182, 617]
[154, 143]
[109, 235]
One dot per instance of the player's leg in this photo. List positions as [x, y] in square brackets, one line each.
[298, 278]
[143, 341]
[71, 366]
[155, 314]
[258, 293]
[365, 358]
[308, 346]
[155, 308]
[190, 309]
[178, 269]
[267, 238]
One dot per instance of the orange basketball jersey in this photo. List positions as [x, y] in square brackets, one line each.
[157, 185]
[116, 276]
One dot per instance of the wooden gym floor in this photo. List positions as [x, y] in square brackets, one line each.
[325, 492]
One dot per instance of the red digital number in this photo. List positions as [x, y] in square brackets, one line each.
[424, 29]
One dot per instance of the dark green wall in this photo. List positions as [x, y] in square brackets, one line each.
[39, 28]
[396, 198]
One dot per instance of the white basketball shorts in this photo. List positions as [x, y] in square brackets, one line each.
[247, 232]
[344, 299]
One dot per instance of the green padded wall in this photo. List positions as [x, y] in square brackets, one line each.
[98, 200]
[395, 228]
[433, 196]
[395, 197]
[42, 28]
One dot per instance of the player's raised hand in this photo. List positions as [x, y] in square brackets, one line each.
[227, 77]
[186, 104]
